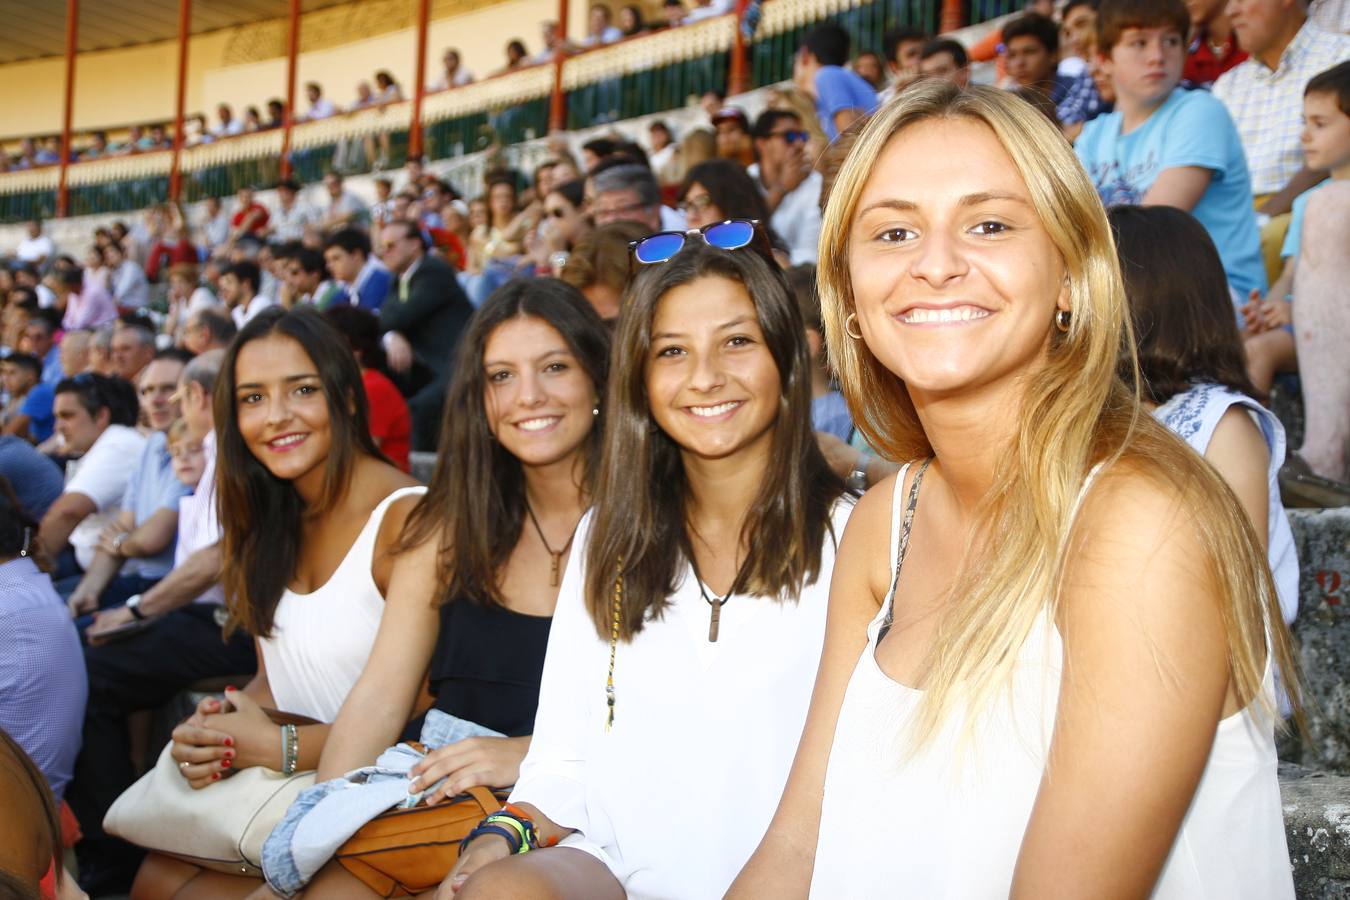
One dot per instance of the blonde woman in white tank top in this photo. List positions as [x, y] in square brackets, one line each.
[310, 512]
[1066, 690]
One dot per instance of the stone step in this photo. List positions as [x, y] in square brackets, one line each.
[1317, 828]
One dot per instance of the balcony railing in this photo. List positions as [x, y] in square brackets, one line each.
[645, 74]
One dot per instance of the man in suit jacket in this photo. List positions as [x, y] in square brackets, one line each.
[421, 319]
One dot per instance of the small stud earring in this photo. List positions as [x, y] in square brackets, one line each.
[1062, 318]
[595, 410]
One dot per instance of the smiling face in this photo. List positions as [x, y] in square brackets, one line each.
[1145, 65]
[955, 280]
[712, 384]
[282, 411]
[539, 400]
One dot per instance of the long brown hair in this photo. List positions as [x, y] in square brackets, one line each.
[1184, 326]
[476, 499]
[640, 500]
[261, 514]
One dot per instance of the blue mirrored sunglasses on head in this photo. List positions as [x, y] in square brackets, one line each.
[732, 234]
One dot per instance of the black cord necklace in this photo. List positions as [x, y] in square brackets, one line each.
[555, 555]
[715, 603]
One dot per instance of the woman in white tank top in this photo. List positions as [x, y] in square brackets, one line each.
[310, 511]
[1066, 689]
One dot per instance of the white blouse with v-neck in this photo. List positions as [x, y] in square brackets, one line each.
[676, 795]
[321, 640]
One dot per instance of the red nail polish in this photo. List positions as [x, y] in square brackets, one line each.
[230, 687]
[229, 754]
[229, 742]
[226, 763]
[215, 776]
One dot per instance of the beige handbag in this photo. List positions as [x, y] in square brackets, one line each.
[221, 826]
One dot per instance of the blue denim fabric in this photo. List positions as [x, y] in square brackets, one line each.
[324, 816]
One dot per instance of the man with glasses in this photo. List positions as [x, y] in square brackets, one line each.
[625, 193]
[135, 550]
[790, 186]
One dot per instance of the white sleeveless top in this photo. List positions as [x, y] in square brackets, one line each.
[951, 819]
[320, 641]
[1193, 415]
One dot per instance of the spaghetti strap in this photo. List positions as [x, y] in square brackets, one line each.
[897, 509]
[900, 536]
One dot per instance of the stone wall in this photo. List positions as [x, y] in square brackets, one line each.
[1322, 632]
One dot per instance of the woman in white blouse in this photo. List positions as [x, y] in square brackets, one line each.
[687, 633]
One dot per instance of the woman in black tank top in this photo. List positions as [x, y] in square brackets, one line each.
[482, 557]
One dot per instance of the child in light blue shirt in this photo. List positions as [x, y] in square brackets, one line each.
[1167, 146]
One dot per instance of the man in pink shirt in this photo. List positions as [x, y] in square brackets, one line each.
[87, 303]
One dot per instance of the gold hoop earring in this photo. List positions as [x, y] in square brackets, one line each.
[1062, 318]
[852, 317]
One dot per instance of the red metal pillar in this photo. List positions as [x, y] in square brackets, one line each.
[72, 36]
[292, 55]
[738, 79]
[175, 173]
[951, 16]
[557, 107]
[419, 80]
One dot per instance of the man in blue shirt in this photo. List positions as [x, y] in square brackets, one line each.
[347, 254]
[1165, 145]
[841, 96]
[30, 412]
[137, 550]
[39, 334]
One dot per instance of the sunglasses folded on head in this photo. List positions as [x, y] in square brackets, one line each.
[731, 234]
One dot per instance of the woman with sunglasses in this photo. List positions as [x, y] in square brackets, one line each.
[688, 628]
[718, 190]
[563, 225]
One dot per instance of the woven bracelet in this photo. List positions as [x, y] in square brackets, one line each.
[491, 828]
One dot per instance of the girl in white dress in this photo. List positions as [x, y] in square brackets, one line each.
[1065, 691]
[310, 512]
[687, 632]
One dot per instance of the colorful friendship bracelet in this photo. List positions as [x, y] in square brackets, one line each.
[488, 827]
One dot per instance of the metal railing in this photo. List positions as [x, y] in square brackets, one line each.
[642, 75]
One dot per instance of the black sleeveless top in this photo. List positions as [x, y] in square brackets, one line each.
[487, 666]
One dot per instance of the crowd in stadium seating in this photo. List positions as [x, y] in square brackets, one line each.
[604, 27]
[202, 410]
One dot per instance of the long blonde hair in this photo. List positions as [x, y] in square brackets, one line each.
[1076, 413]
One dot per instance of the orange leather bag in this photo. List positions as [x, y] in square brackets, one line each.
[408, 851]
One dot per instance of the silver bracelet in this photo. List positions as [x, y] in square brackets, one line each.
[290, 749]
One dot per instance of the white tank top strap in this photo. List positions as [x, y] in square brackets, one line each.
[897, 510]
[363, 549]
